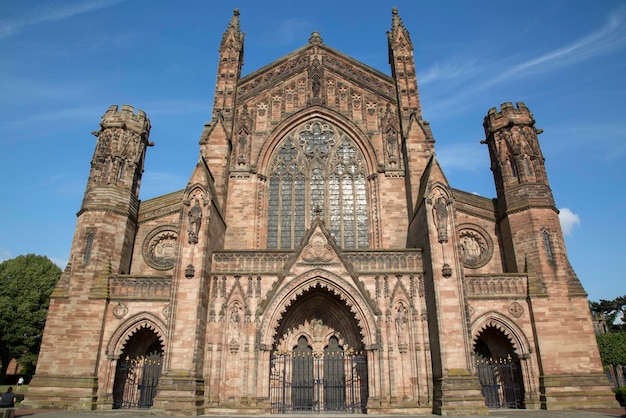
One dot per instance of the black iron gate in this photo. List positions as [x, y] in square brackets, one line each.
[318, 382]
[136, 381]
[501, 383]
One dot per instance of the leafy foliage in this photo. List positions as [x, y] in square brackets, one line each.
[614, 310]
[620, 396]
[612, 348]
[25, 286]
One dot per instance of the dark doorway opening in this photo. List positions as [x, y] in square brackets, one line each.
[317, 364]
[138, 371]
[498, 369]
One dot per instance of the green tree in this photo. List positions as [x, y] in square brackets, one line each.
[612, 347]
[614, 310]
[25, 286]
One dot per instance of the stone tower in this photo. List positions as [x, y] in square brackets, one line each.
[102, 245]
[532, 243]
[523, 192]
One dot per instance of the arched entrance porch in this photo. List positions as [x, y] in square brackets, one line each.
[317, 362]
[499, 369]
[138, 370]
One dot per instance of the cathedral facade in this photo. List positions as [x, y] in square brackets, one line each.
[318, 260]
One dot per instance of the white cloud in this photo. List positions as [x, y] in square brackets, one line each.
[569, 220]
[50, 12]
[461, 80]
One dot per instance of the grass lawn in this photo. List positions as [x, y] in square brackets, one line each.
[19, 393]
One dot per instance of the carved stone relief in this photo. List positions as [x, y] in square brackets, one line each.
[120, 310]
[318, 250]
[159, 247]
[516, 309]
[476, 246]
[317, 333]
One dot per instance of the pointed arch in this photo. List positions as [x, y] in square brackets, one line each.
[400, 294]
[126, 330]
[508, 327]
[349, 127]
[318, 167]
[283, 299]
[237, 295]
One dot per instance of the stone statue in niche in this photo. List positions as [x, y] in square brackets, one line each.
[243, 140]
[234, 325]
[401, 322]
[392, 146]
[195, 220]
[440, 212]
[316, 85]
[317, 327]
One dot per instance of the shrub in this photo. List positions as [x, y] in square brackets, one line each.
[620, 395]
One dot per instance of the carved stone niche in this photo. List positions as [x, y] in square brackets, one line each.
[159, 247]
[476, 246]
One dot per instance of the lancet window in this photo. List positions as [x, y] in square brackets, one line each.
[317, 170]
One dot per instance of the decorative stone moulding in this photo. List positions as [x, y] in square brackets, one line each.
[516, 309]
[120, 310]
[476, 246]
[159, 247]
[446, 270]
[190, 271]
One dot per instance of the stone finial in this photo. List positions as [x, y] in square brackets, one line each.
[315, 39]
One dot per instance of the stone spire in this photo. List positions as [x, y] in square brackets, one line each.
[228, 69]
[403, 67]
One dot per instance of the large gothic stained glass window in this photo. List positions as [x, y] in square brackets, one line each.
[317, 169]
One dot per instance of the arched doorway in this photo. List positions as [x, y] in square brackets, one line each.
[498, 368]
[317, 363]
[138, 371]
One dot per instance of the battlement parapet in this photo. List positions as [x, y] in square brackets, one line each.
[126, 118]
[508, 115]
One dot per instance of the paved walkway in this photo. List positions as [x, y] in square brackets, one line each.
[621, 412]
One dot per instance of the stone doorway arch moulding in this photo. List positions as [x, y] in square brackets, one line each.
[341, 288]
[521, 346]
[518, 339]
[128, 328]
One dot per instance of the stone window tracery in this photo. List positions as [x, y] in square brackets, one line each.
[317, 169]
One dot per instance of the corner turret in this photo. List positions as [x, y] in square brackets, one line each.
[118, 161]
[112, 192]
[516, 159]
[532, 238]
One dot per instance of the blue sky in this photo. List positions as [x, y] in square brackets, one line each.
[63, 63]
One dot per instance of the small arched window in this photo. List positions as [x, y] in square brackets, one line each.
[88, 245]
[547, 245]
[513, 167]
[317, 170]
